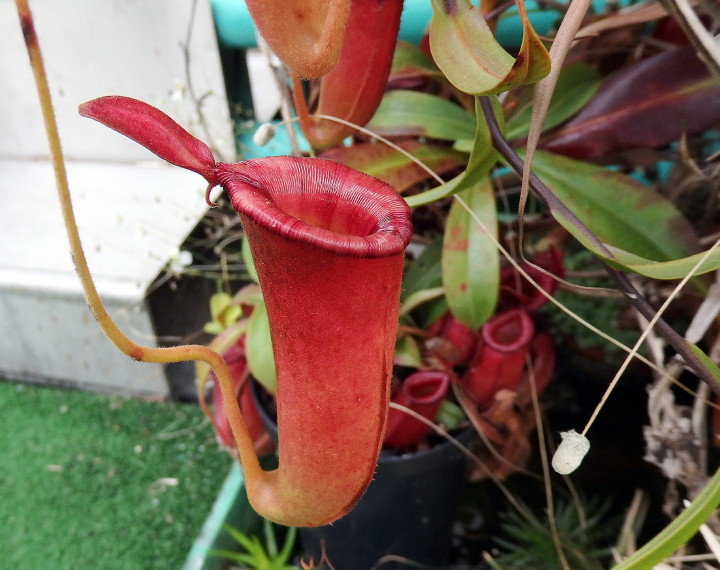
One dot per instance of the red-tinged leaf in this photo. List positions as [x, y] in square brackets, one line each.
[465, 49]
[648, 104]
[154, 130]
[395, 168]
[470, 260]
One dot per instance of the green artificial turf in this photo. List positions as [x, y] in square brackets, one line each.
[90, 481]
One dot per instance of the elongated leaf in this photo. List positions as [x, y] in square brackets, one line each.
[466, 51]
[679, 531]
[648, 104]
[154, 130]
[410, 65]
[248, 260]
[482, 158]
[621, 259]
[423, 275]
[411, 113]
[258, 348]
[470, 261]
[247, 560]
[287, 547]
[643, 231]
[618, 210]
[424, 272]
[419, 298]
[577, 83]
[393, 167]
[706, 361]
[674, 269]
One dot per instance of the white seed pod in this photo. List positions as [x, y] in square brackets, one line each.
[570, 453]
[264, 134]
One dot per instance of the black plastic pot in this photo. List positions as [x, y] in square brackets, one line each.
[408, 510]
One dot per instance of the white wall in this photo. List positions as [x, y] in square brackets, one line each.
[133, 210]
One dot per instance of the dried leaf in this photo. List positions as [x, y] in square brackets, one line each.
[544, 90]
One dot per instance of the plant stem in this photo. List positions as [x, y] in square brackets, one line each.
[123, 343]
[624, 284]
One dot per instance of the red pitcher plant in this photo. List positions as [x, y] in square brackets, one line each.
[328, 246]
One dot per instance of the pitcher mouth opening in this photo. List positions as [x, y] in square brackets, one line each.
[319, 202]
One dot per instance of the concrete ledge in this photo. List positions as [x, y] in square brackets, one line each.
[131, 218]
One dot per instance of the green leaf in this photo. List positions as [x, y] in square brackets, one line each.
[270, 542]
[407, 352]
[424, 272]
[258, 348]
[287, 548]
[231, 314]
[470, 260]
[213, 327]
[248, 260]
[412, 113]
[576, 85]
[621, 212]
[245, 559]
[675, 269]
[241, 538]
[465, 49]
[450, 415]
[224, 313]
[705, 360]
[218, 303]
[482, 158]
[418, 298]
[409, 61]
[679, 531]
